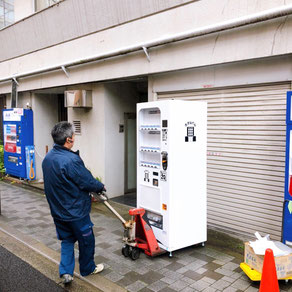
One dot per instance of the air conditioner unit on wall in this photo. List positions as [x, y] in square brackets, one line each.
[78, 98]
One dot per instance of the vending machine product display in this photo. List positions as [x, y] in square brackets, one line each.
[171, 170]
[19, 157]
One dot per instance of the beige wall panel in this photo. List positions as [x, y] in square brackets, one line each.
[230, 46]
[71, 19]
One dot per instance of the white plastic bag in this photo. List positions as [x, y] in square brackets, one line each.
[262, 243]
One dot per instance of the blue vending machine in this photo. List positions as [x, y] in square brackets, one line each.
[287, 207]
[19, 159]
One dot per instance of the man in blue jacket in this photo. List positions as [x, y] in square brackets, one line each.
[67, 186]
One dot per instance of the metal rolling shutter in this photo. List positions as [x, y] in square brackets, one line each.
[246, 157]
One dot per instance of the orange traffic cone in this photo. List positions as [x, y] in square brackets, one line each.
[269, 282]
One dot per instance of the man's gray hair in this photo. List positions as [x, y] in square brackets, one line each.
[61, 131]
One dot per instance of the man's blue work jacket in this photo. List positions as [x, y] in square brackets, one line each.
[67, 184]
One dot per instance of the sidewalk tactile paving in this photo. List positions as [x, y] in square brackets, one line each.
[191, 269]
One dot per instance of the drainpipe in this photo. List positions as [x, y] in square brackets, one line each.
[213, 28]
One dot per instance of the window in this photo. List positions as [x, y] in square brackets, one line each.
[6, 12]
[42, 4]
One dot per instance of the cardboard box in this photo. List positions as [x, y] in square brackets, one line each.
[283, 263]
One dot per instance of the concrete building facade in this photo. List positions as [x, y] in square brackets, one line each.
[235, 55]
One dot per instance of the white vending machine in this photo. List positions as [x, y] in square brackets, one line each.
[171, 171]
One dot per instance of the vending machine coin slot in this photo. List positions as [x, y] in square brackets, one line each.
[146, 176]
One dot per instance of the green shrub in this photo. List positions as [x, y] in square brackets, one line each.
[2, 170]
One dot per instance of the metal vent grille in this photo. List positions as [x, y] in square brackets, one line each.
[77, 127]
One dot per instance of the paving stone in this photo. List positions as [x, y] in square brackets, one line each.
[151, 277]
[168, 280]
[209, 289]
[188, 289]
[193, 266]
[201, 270]
[251, 289]
[241, 284]
[230, 289]
[136, 286]
[157, 286]
[188, 280]
[104, 245]
[173, 275]
[179, 285]
[224, 272]
[236, 275]
[157, 266]
[220, 285]
[182, 270]
[228, 279]
[145, 290]
[167, 289]
[200, 285]
[124, 282]
[193, 275]
[209, 280]
[219, 262]
[213, 275]
[211, 266]
[175, 266]
[203, 257]
[142, 270]
[230, 266]
[114, 277]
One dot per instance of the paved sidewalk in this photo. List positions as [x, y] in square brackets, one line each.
[191, 269]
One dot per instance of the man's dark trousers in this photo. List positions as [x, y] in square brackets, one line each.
[69, 232]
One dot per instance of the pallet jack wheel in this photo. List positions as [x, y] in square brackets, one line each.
[135, 254]
[126, 251]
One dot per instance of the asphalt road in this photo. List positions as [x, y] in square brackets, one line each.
[17, 275]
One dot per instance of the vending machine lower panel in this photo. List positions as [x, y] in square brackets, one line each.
[287, 223]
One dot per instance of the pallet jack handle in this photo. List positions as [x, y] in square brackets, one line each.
[104, 198]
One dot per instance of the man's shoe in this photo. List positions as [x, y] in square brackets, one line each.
[98, 269]
[67, 278]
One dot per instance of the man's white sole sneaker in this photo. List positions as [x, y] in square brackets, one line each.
[67, 278]
[98, 269]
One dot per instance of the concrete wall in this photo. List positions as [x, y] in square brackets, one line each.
[252, 42]
[120, 98]
[91, 142]
[45, 110]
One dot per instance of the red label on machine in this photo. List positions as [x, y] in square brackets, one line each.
[10, 147]
[290, 185]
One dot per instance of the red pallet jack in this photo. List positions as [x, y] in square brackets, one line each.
[138, 235]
